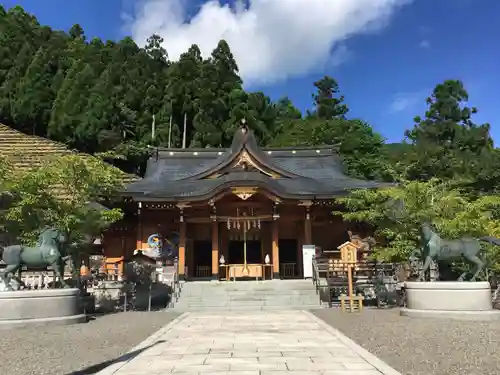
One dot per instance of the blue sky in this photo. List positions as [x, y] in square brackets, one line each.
[384, 74]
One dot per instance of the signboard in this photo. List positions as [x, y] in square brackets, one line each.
[308, 252]
[348, 253]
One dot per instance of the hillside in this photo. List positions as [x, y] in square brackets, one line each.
[107, 96]
[117, 99]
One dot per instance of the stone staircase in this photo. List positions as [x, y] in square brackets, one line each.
[247, 295]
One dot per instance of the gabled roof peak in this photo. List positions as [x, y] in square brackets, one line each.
[242, 137]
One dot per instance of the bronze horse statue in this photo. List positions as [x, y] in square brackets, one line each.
[47, 252]
[437, 249]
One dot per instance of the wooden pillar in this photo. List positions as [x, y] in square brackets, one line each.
[138, 242]
[215, 250]
[308, 228]
[224, 243]
[276, 250]
[182, 248]
[300, 241]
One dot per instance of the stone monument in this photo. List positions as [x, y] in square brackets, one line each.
[464, 300]
[19, 308]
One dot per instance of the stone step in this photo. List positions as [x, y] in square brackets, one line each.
[255, 299]
[239, 285]
[249, 303]
[244, 308]
[187, 291]
[245, 291]
[247, 296]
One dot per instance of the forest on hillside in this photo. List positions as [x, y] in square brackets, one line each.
[103, 97]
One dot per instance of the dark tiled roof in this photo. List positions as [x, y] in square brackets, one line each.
[179, 174]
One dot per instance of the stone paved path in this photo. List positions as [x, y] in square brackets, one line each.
[249, 343]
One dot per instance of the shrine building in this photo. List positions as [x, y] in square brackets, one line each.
[237, 212]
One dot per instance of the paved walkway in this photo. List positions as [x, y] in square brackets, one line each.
[249, 343]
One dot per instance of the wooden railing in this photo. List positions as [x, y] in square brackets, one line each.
[287, 270]
[203, 271]
[330, 279]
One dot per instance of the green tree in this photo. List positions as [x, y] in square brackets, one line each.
[354, 140]
[76, 32]
[396, 214]
[62, 194]
[326, 103]
[36, 91]
[8, 90]
[73, 95]
[16, 28]
[6, 179]
[447, 143]
[285, 110]
[182, 94]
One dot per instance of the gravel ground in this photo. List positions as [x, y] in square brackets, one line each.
[422, 346]
[76, 349]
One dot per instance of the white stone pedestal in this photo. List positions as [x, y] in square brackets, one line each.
[449, 300]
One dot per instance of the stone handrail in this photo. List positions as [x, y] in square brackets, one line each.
[175, 285]
[315, 276]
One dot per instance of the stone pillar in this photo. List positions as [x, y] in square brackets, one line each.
[276, 250]
[182, 248]
[215, 250]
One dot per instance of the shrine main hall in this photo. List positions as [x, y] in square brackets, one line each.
[237, 212]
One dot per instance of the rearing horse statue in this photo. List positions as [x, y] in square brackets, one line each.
[435, 249]
[47, 252]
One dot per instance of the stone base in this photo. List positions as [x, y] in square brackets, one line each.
[40, 307]
[107, 295]
[449, 300]
[456, 315]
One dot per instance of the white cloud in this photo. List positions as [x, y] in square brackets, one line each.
[404, 101]
[270, 39]
[424, 44]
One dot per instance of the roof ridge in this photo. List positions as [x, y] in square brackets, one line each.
[225, 149]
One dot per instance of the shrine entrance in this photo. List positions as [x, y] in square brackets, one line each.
[245, 256]
[202, 259]
[288, 258]
[236, 252]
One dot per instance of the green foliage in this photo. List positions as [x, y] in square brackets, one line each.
[6, 173]
[101, 97]
[397, 212]
[62, 194]
[447, 143]
[326, 105]
[355, 140]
